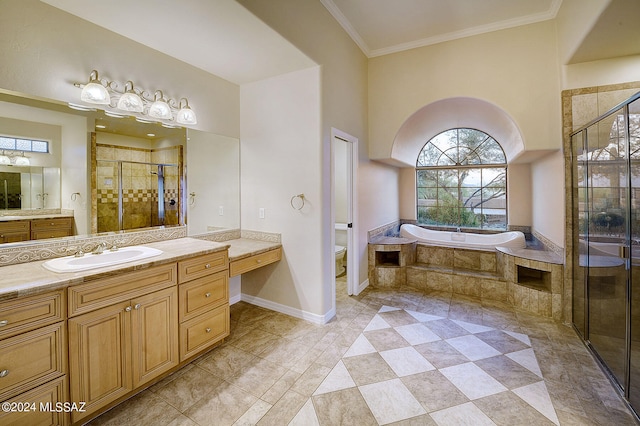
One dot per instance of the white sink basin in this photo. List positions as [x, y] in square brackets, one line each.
[107, 258]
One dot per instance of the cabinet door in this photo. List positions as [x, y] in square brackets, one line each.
[154, 334]
[99, 357]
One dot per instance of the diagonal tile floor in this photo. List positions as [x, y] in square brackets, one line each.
[390, 357]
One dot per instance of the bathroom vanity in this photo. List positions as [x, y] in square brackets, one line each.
[119, 327]
[15, 229]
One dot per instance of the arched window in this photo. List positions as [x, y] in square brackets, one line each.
[461, 181]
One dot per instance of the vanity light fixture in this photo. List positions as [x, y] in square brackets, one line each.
[117, 100]
[94, 92]
[186, 114]
[4, 159]
[160, 108]
[130, 101]
[22, 160]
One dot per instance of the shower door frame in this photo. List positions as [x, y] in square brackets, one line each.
[624, 384]
[160, 175]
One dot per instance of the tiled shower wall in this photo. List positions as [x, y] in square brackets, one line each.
[579, 107]
[140, 186]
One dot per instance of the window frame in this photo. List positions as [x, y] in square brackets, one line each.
[457, 167]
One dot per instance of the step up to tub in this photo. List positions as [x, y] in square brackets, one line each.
[485, 285]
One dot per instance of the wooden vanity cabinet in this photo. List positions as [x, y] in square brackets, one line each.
[14, 231]
[33, 357]
[204, 302]
[117, 348]
[51, 228]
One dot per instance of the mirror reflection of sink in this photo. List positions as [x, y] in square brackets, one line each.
[107, 258]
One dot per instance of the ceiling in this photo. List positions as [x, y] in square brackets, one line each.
[381, 27]
[233, 44]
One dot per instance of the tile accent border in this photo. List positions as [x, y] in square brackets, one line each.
[219, 236]
[11, 254]
[389, 230]
[548, 244]
[261, 236]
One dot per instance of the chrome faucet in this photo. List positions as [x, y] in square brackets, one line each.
[100, 248]
[458, 229]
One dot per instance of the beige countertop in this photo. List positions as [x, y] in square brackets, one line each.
[32, 278]
[34, 216]
[245, 247]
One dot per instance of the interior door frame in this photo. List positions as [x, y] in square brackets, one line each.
[353, 287]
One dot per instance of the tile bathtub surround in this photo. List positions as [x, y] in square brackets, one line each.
[400, 356]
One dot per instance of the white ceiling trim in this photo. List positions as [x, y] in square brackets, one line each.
[482, 29]
[346, 25]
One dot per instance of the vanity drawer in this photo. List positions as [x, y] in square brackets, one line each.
[103, 292]
[51, 228]
[47, 395]
[28, 313]
[31, 359]
[247, 264]
[14, 226]
[57, 222]
[15, 231]
[202, 294]
[203, 331]
[200, 266]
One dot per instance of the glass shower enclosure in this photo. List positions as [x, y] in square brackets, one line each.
[134, 195]
[606, 242]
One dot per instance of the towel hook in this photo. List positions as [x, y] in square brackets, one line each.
[300, 203]
[192, 198]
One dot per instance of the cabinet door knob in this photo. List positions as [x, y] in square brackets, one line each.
[137, 306]
[4, 373]
[128, 309]
[207, 295]
[3, 323]
[208, 330]
[207, 266]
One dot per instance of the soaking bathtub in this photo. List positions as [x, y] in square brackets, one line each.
[511, 239]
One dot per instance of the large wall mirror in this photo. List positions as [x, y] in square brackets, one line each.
[121, 168]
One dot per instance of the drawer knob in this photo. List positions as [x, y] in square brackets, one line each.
[259, 260]
[52, 223]
[4, 373]
[207, 266]
[3, 323]
[137, 306]
[208, 330]
[207, 295]
[128, 309]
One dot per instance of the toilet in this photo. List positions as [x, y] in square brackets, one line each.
[340, 251]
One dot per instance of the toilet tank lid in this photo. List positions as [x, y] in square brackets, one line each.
[339, 248]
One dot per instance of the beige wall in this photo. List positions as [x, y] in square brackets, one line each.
[547, 175]
[515, 69]
[601, 73]
[280, 157]
[343, 85]
[575, 19]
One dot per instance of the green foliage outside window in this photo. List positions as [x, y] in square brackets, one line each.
[461, 181]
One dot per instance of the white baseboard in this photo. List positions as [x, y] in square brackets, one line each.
[235, 298]
[288, 310]
[364, 284]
